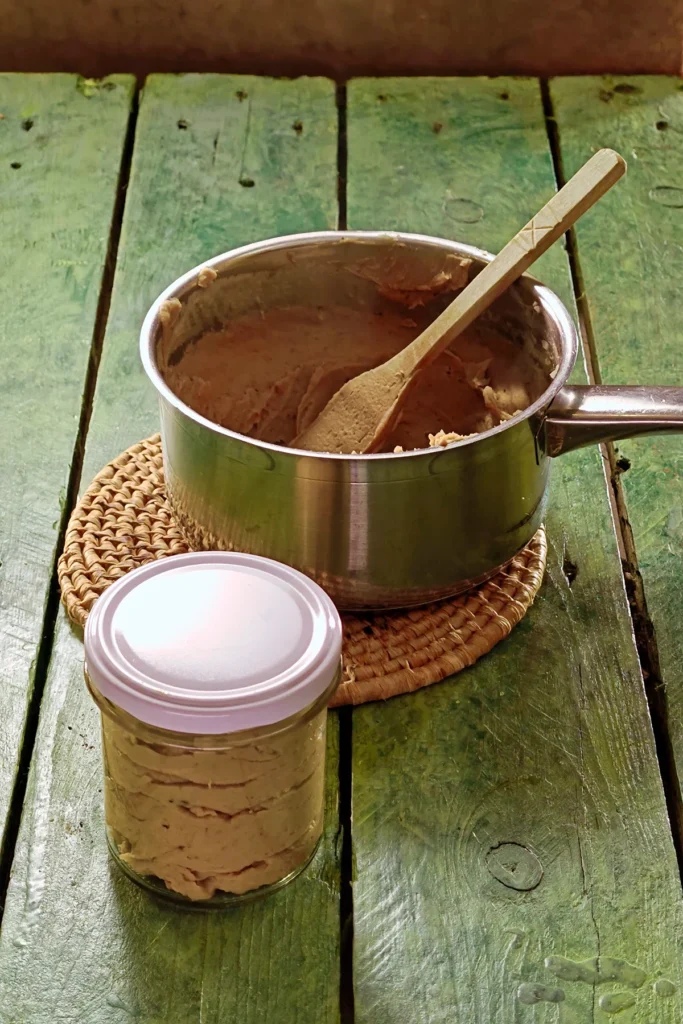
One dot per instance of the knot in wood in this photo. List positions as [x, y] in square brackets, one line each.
[515, 866]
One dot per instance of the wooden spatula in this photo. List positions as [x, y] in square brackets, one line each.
[360, 416]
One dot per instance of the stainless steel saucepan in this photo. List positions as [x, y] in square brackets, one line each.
[377, 531]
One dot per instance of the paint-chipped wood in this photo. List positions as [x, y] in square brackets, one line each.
[78, 942]
[509, 824]
[60, 154]
[631, 257]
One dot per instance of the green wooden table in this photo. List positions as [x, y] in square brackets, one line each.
[488, 838]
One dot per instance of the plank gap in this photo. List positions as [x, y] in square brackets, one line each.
[342, 156]
[648, 655]
[591, 360]
[44, 652]
[346, 1000]
[102, 314]
[643, 626]
[346, 996]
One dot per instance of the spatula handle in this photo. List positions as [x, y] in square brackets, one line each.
[578, 195]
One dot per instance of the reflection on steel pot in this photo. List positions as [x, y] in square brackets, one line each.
[388, 530]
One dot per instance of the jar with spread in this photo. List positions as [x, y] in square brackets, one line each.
[213, 671]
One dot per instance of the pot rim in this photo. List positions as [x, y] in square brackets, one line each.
[550, 302]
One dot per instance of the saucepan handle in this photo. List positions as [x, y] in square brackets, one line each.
[583, 415]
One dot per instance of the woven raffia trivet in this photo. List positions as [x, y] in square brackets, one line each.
[123, 521]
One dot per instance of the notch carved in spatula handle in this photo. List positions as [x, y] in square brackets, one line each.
[578, 195]
[567, 205]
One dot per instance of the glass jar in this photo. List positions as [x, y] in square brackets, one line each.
[213, 672]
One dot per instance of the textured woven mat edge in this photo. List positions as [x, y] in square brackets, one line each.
[123, 521]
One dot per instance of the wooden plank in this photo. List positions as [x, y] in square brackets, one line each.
[60, 153]
[345, 37]
[632, 262]
[514, 813]
[78, 943]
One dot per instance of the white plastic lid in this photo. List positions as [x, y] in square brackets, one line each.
[213, 642]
